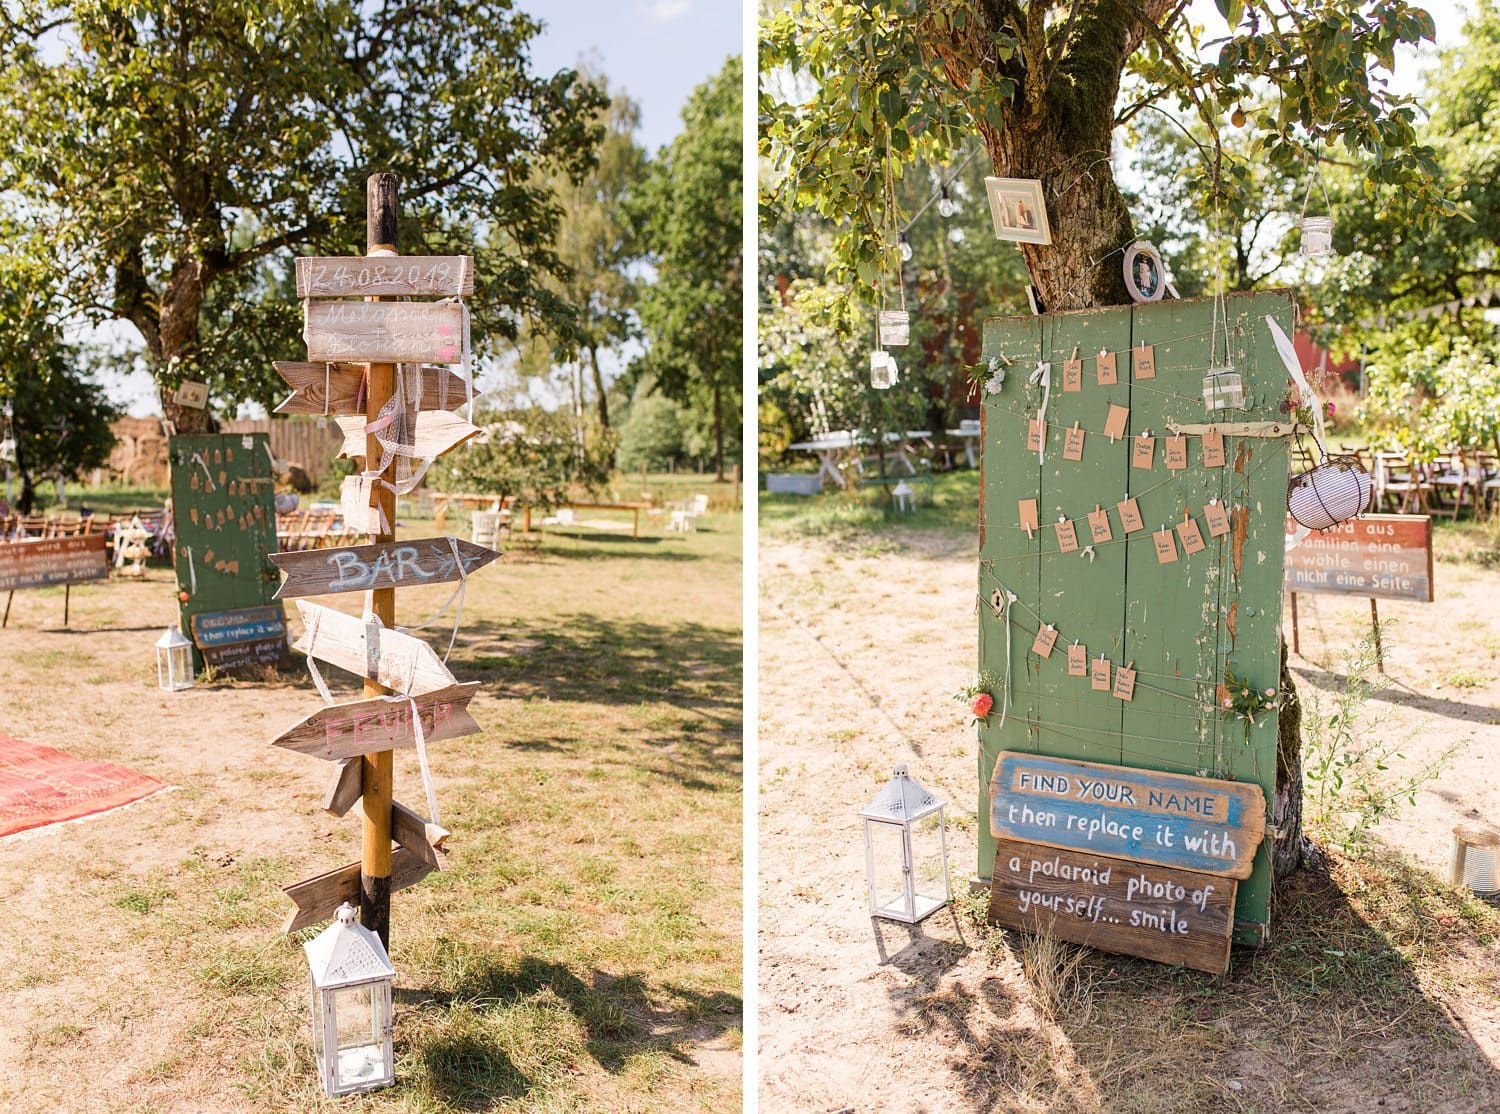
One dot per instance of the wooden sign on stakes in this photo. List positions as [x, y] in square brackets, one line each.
[337, 388]
[358, 568]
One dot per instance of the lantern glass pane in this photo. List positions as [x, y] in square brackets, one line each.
[887, 877]
[361, 1043]
[929, 864]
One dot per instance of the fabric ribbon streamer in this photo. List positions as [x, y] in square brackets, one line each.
[1288, 353]
[1003, 612]
[1042, 375]
[458, 593]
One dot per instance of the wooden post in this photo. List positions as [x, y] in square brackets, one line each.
[381, 212]
[8, 598]
[67, 603]
[1296, 634]
[1375, 627]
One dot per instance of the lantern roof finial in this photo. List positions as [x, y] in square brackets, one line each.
[902, 800]
[346, 953]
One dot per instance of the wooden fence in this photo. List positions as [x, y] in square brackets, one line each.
[307, 443]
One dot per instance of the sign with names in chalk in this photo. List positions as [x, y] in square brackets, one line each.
[1382, 556]
[1171, 916]
[1188, 823]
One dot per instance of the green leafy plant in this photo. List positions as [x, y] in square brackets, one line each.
[1244, 699]
[1349, 785]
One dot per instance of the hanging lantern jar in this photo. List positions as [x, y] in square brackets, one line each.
[1223, 389]
[895, 326]
[1317, 236]
[883, 372]
[906, 851]
[7, 450]
[1333, 492]
[174, 661]
[352, 979]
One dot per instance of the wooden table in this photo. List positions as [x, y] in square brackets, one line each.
[830, 445]
[634, 508]
[441, 499]
[969, 437]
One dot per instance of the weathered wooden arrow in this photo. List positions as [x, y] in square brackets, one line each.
[384, 276]
[397, 661]
[421, 837]
[347, 787]
[433, 433]
[341, 731]
[385, 332]
[334, 388]
[318, 898]
[358, 568]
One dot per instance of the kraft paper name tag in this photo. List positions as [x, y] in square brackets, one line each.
[1177, 452]
[1046, 638]
[1142, 450]
[1073, 443]
[1125, 683]
[1145, 361]
[1166, 548]
[1078, 660]
[1067, 537]
[1114, 425]
[1099, 526]
[1099, 674]
[1106, 369]
[1073, 373]
[1036, 433]
[1130, 516]
[1217, 518]
[1028, 515]
[1192, 540]
[1213, 449]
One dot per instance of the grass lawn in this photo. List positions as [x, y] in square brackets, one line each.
[581, 951]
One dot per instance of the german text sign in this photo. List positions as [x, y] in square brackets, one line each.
[36, 564]
[1171, 916]
[1383, 556]
[385, 332]
[1189, 823]
[359, 568]
[340, 731]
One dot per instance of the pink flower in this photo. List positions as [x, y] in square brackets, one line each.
[1329, 408]
[981, 705]
[1270, 692]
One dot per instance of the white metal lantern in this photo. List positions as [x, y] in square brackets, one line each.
[906, 851]
[352, 978]
[1317, 236]
[1223, 389]
[174, 661]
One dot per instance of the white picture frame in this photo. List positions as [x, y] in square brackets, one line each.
[1018, 210]
[1144, 272]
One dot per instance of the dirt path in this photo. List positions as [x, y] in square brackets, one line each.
[862, 645]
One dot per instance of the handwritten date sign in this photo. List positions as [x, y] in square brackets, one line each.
[338, 388]
[398, 661]
[44, 561]
[1382, 556]
[1187, 823]
[1171, 916]
[359, 568]
[385, 276]
[340, 731]
[385, 332]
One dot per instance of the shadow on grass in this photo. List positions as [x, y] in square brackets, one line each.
[1406, 697]
[1333, 1014]
[474, 1038]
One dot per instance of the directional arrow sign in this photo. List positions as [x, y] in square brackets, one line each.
[398, 661]
[335, 388]
[358, 568]
[432, 434]
[318, 898]
[385, 332]
[341, 731]
[385, 276]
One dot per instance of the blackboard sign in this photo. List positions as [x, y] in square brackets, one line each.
[241, 638]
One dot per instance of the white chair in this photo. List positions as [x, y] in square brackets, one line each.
[685, 518]
[903, 494]
[484, 529]
[565, 516]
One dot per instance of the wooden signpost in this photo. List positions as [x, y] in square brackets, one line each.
[43, 562]
[358, 568]
[354, 347]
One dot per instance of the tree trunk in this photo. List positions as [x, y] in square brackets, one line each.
[1289, 852]
[719, 431]
[593, 352]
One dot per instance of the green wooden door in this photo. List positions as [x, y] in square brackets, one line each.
[1178, 624]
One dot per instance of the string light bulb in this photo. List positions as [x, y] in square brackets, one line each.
[905, 248]
[945, 205]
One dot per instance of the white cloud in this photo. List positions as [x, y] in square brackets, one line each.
[664, 11]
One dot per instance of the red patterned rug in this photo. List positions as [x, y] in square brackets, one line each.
[41, 786]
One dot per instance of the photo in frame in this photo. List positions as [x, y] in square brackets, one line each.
[1018, 210]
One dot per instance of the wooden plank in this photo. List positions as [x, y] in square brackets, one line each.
[1204, 825]
[419, 836]
[1385, 556]
[336, 388]
[358, 568]
[318, 898]
[346, 788]
[1171, 916]
[44, 561]
[237, 657]
[339, 731]
[395, 660]
[242, 638]
[385, 332]
[394, 276]
[431, 435]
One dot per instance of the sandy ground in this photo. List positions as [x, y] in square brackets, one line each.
[860, 653]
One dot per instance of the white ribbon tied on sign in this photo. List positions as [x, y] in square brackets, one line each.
[1042, 375]
[1288, 352]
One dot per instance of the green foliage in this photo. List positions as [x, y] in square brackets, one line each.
[1433, 399]
[652, 432]
[689, 215]
[531, 455]
[162, 147]
[1348, 783]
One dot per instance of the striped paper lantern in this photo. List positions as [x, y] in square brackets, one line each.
[1333, 492]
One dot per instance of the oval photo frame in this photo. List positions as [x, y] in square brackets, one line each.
[1145, 274]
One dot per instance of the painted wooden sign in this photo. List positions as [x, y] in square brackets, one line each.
[338, 388]
[358, 568]
[241, 638]
[44, 561]
[385, 332]
[1171, 916]
[398, 661]
[1382, 556]
[385, 276]
[318, 898]
[432, 434]
[1188, 823]
[339, 731]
